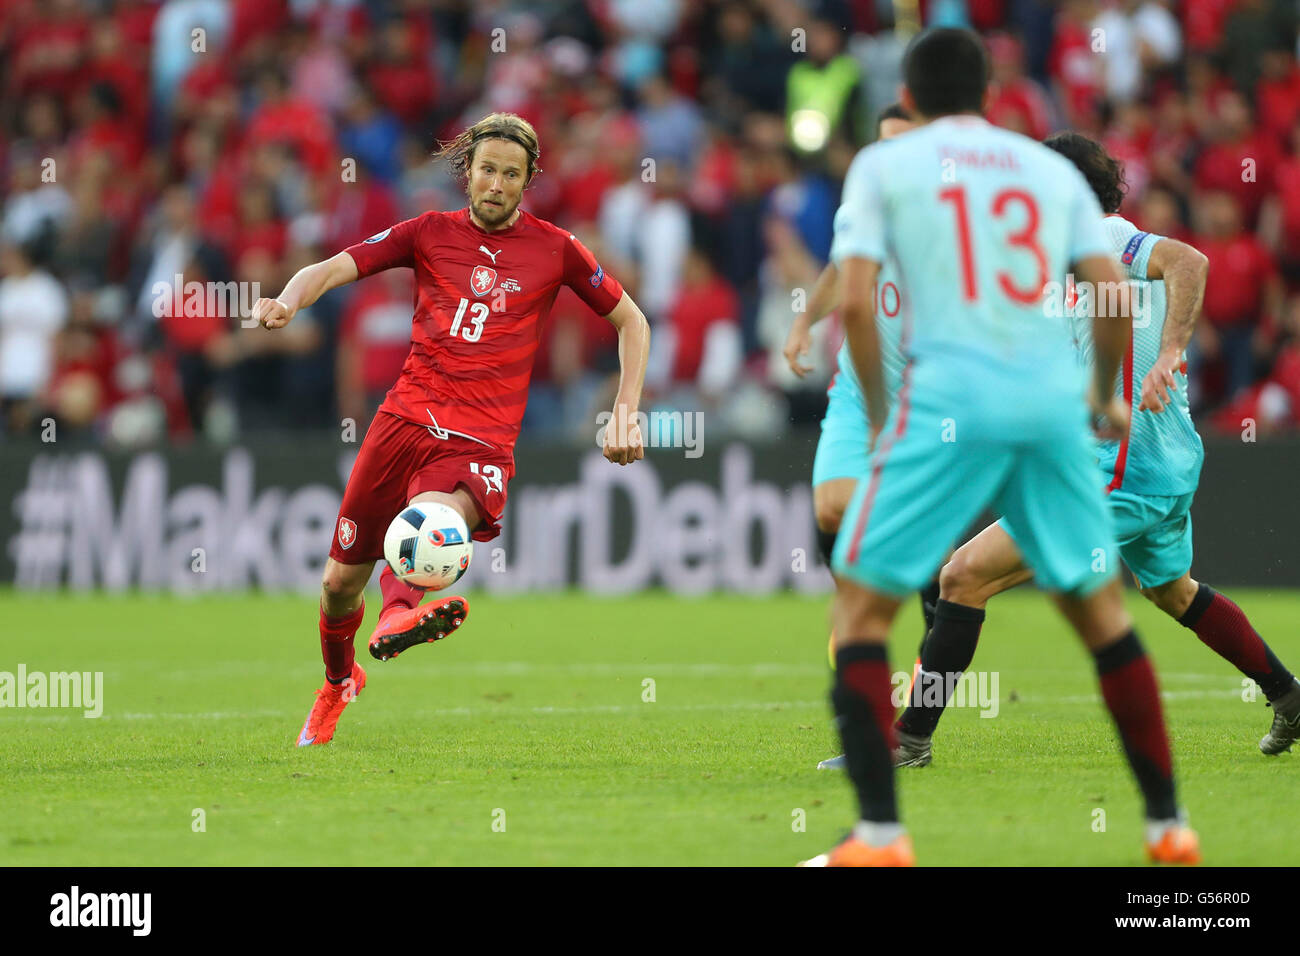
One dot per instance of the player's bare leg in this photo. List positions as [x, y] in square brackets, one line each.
[862, 697]
[1225, 629]
[403, 621]
[1128, 686]
[830, 500]
[342, 607]
[984, 566]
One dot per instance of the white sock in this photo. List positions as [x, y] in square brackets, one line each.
[878, 834]
[1155, 829]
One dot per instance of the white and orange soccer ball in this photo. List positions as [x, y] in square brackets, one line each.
[428, 546]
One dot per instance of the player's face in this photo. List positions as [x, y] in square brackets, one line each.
[496, 181]
[894, 127]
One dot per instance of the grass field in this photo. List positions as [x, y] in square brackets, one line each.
[532, 716]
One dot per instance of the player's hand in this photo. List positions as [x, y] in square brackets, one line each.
[272, 313]
[1160, 383]
[1110, 418]
[623, 445]
[797, 344]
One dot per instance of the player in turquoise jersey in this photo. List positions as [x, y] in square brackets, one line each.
[991, 412]
[1150, 478]
[842, 449]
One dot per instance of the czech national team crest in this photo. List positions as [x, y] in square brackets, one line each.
[482, 279]
[347, 532]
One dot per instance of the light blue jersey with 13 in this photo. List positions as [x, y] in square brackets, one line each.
[990, 410]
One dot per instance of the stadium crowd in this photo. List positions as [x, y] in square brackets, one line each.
[696, 147]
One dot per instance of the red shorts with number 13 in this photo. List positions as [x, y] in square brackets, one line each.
[399, 460]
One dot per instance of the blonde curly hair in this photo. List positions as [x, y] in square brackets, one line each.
[459, 152]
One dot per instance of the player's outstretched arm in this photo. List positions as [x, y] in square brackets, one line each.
[308, 284]
[858, 312]
[820, 303]
[1110, 338]
[1184, 271]
[623, 442]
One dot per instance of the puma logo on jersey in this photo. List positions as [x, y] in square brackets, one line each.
[490, 255]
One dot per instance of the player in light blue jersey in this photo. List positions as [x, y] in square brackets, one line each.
[1150, 477]
[991, 412]
[842, 449]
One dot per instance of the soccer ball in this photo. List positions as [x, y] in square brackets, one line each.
[428, 546]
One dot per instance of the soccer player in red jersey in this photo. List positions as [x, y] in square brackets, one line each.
[486, 277]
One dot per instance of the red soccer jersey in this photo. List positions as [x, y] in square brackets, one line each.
[481, 299]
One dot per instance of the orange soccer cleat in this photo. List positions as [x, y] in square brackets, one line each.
[399, 629]
[853, 852]
[1177, 844]
[330, 701]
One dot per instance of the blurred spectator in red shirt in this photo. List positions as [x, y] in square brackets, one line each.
[1172, 144]
[280, 117]
[50, 41]
[1203, 22]
[1015, 101]
[1205, 84]
[1280, 217]
[114, 64]
[576, 370]
[585, 170]
[357, 210]
[259, 226]
[1126, 139]
[1273, 404]
[83, 388]
[1074, 67]
[1158, 213]
[703, 333]
[195, 319]
[1277, 97]
[1242, 297]
[374, 341]
[1241, 160]
[102, 132]
[216, 178]
[400, 76]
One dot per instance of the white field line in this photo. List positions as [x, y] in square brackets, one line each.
[740, 705]
[424, 670]
[1164, 695]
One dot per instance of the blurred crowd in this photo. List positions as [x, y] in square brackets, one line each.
[697, 147]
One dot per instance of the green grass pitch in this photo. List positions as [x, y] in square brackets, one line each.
[525, 739]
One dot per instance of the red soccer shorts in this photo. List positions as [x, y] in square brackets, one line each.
[399, 460]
